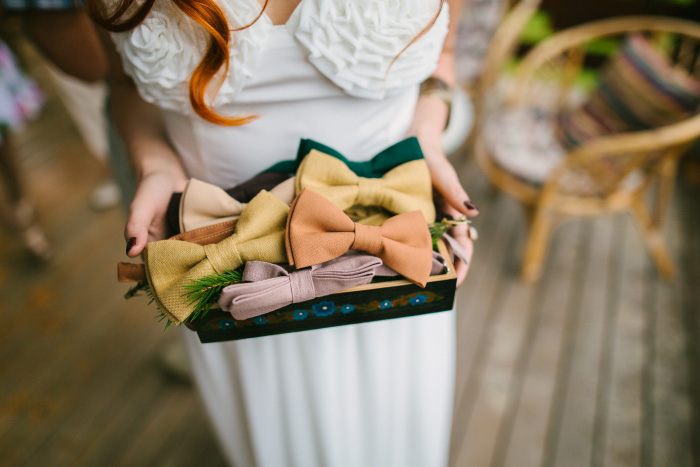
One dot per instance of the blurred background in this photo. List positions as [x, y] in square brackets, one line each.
[575, 131]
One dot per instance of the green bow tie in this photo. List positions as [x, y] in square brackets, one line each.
[404, 151]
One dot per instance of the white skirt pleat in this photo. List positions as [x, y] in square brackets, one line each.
[374, 394]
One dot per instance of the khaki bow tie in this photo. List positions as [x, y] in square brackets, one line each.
[405, 188]
[171, 264]
[203, 204]
[318, 231]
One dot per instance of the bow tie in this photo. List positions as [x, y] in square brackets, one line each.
[171, 264]
[318, 231]
[242, 192]
[405, 188]
[203, 204]
[404, 151]
[267, 287]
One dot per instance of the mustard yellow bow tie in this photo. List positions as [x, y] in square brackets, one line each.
[203, 204]
[171, 264]
[405, 188]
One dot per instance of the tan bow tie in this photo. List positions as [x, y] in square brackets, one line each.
[405, 188]
[203, 204]
[318, 231]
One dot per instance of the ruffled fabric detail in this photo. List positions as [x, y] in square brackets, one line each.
[353, 42]
[161, 53]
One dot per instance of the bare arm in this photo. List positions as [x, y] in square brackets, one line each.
[156, 166]
[428, 123]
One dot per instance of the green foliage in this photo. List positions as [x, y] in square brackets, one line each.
[602, 46]
[438, 229]
[143, 288]
[160, 317]
[538, 28]
[139, 289]
[202, 293]
[205, 292]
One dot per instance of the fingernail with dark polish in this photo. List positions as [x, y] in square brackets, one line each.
[130, 244]
[470, 206]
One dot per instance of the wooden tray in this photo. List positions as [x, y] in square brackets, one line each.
[385, 299]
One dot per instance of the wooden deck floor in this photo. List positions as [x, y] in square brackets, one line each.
[597, 364]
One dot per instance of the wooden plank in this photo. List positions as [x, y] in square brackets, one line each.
[63, 301]
[171, 409]
[570, 431]
[667, 434]
[523, 439]
[483, 271]
[91, 400]
[52, 343]
[491, 291]
[622, 404]
[65, 390]
[473, 296]
[522, 436]
[190, 443]
[605, 367]
[690, 264]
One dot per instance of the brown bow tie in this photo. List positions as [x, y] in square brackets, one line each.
[318, 231]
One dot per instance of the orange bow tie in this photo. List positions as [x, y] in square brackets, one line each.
[318, 231]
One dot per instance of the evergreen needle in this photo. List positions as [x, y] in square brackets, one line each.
[438, 229]
[205, 292]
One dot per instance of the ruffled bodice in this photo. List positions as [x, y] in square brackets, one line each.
[351, 42]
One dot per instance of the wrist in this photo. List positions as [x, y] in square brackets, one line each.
[149, 159]
[429, 122]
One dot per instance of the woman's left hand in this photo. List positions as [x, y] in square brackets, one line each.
[451, 199]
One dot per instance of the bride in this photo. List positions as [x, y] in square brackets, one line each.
[222, 89]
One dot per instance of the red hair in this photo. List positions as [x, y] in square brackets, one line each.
[207, 14]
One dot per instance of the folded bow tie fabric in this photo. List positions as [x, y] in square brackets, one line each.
[171, 264]
[404, 151]
[243, 193]
[318, 231]
[203, 204]
[405, 188]
[266, 287]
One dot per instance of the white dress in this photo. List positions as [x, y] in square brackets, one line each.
[374, 394]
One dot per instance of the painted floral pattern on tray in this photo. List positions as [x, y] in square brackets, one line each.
[324, 309]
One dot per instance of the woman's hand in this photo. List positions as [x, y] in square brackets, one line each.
[450, 197]
[451, 200]
[146, 221]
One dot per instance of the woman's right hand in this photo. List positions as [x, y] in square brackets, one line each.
[146, 221]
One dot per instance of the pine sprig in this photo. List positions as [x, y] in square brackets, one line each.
[138, 289]
[144, 288]
[160, 317]
[438, 229]
[204, 292]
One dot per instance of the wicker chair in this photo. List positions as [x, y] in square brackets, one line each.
[650, 157]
